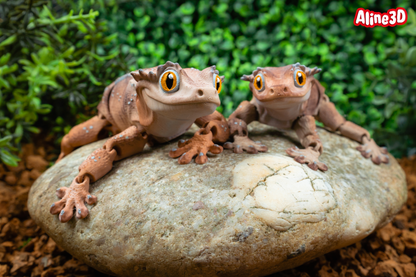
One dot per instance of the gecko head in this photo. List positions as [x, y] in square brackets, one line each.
[180, 92]
[287, 82]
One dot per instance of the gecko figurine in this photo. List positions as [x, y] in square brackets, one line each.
[289, 97]
[147, 106]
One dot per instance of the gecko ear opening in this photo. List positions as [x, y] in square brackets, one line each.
[145, 113]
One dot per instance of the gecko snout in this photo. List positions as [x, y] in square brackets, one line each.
[280, 90]
[202, 93]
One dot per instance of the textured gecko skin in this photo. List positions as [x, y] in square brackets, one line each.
[289, 97]
[148, 106]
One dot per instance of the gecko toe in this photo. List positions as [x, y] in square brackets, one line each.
[201, 158]
[228, 145]
[313, 166]
[186, 158]
[57, 207]
[174, 153]
[183, 142]
[251, 149]
[376, 160]
[90, 199]
[60, 192]
[300, 159]
[66, 214]
[215, 149]
[322, 166]
[82, 211]
[238, 149]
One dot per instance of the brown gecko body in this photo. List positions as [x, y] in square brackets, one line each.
[289, 97]
[148, 106]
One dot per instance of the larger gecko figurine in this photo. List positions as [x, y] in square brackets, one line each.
[289, 97]
[153, 105]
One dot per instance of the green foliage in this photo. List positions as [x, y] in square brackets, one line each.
[399, 85]
[240, 35]
[65, 60]
[5, 155]
[51, 59]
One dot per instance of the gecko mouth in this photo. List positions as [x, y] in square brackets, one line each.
[195, 101]
[276, 93]
[183, 110]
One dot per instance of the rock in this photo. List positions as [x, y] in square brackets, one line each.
[237, 215]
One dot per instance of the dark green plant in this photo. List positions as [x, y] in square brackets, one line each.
[398, 90]
[239, 35]
[48, 63]
[6, 149]
[66, 60]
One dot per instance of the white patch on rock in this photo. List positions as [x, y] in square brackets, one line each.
[282, 192]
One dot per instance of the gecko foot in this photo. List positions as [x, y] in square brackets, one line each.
[369, 148]
[197, 146]
[73, 197]
[244, 143]
[308, 156]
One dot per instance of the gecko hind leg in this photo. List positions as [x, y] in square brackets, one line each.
[98, 163]
[330, 117]
[84, 133]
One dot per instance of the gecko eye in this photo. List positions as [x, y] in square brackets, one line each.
[300, 78]
[217, 82]
[258, 82]
[169, 81]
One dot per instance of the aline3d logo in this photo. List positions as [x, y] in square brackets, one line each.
[371, 19]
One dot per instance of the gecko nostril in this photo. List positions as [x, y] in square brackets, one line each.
[271, 91]
[285, 89]
[200, 92]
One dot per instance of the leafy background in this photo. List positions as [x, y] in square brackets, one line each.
[56, 57]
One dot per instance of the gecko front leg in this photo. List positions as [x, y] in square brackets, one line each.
[238, 120]
[98, 163]
[198, 146]
[305, 128]
[214, 130]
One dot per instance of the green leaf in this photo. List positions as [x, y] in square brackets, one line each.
[8, 158]
[370, 58]
[4, 141]
[411, 56]
[8, 41]
[4, 59]
[187, 8]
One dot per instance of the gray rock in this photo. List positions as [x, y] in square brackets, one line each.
[237, 215]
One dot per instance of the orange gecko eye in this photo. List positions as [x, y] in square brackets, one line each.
[258, 82]
[169, 81]
[300, 78]
[217, 83]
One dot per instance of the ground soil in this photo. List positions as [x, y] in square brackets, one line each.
[25, 250]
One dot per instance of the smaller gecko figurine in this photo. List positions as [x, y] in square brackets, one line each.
[289, 97]
[147, 106]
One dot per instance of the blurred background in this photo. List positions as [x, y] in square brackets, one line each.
[56, 57]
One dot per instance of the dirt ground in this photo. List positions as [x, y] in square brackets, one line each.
[25, 250]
